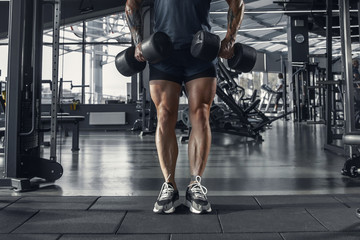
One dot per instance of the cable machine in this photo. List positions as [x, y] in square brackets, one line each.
[24, 168]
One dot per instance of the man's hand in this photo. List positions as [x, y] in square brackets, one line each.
[227, 49]
[138, 53]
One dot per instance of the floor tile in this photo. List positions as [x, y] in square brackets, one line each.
[179, 222]
[322, 236]
[298, 201]
[124, 203]
[5, 201]
[233, 203]
[117, 237]
[14, 236]
[48, 221]
[11, 219]
[283, 220]
[242, 236]
[351, 200]
[335, 219]
[48, 202]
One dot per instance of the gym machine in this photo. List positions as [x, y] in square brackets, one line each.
[251, 117]
[308, 91]
[24, 168]
[268, 97]
[300, 94]
[146, 123]
[316, 94]
[235, 121]
[351, 138]
[339, 94]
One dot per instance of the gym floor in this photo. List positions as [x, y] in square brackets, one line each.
[286, 187]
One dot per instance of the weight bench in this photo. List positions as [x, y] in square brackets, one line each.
[73, 121]
[352, 165]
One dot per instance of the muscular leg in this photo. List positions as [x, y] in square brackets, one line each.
[201, 93]
[165, 95]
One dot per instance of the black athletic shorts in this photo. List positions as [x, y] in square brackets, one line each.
[181, 67]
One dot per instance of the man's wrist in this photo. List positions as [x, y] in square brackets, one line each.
[229, 39]
[137, 40]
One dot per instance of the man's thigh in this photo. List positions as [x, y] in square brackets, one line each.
[201, 91]
[165, 94]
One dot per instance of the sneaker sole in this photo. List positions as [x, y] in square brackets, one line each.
[193, 210]
[171, 210]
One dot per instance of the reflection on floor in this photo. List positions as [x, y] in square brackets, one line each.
[290, 160]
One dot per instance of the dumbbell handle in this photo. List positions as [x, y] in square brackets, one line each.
[138, 53]
[206, 46]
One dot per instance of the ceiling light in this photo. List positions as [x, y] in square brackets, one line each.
[264, 42]
[284, 11]
[334, 37]
[253, 29]
[352, 26]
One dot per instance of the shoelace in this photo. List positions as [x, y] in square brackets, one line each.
[166, 190]
[199, 190]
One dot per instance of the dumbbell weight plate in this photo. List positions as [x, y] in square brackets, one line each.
[358, 212]
[354, 172]
[157, 47]
[205, 46]
[127, 64]
[244, 58]
[350, 166]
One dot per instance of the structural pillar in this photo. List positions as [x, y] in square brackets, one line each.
[346, 59]
[95, 28]
[298, 54]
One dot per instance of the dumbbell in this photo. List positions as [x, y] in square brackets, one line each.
[351, 167]
[154, 49]
[206, 46]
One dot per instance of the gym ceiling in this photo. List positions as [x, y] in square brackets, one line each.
[264, 26]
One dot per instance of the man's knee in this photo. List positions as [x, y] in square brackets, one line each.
[200, 114]
[166, 117]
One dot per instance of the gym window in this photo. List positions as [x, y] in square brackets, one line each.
[97, 47]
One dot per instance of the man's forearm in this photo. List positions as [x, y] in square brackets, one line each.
[133, 18]
[235, 17]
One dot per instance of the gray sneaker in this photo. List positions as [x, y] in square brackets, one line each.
[196, 198]
[167, 200]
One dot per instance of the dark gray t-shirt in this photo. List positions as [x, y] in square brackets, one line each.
[181, 19]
